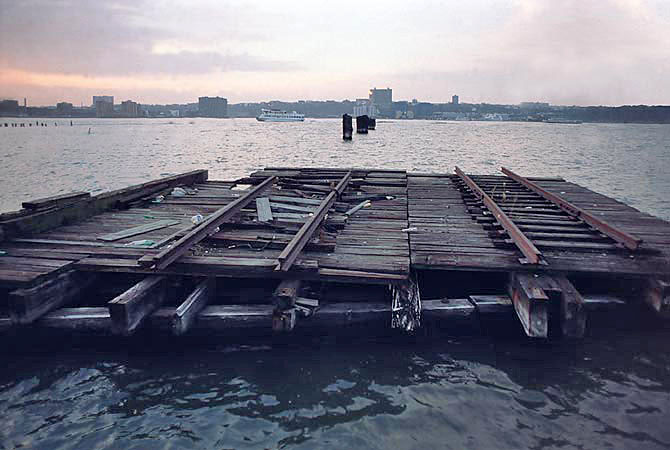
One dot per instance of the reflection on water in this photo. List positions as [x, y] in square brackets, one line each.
[612, 391]
[461, 393]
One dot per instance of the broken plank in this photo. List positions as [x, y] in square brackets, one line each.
[129, 309]
[78, 319]
[169, 255]
[140, 229]
[263, 209]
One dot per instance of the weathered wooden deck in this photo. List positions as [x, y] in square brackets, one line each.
[321, 245]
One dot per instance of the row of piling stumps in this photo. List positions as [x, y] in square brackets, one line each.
[30, 124]
[363, 124]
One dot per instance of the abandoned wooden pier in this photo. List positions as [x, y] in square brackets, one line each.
[328, 249]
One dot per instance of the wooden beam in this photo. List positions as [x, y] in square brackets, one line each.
[631, 242]
[186, 313]
[78, 319]
[573, 309]
[657, 295]
[532, 254]
[129, 309]
[304, 235]
[27, 305]
[56, 200]
[531, 304]
[169, 255]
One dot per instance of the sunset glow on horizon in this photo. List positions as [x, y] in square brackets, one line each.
[608, 52]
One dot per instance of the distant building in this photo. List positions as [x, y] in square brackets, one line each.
[103, 98]
[130, 108]
[364, 107]
[64, 109]
[454, 99]
[9, 108]
[533, 105]
[104, 109]
[382, 99]
[212, 107]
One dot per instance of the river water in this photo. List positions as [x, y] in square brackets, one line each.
[612, 390]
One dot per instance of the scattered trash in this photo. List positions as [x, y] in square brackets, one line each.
[178, 192]
[409, 230]
[158, 199]
[141, 243]
[197, 219]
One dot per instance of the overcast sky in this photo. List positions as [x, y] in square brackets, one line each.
[580, 52]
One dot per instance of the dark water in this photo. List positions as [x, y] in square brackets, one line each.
[611, 390]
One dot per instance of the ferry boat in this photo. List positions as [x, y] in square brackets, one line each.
[275, 115]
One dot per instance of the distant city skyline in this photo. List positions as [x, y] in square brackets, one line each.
[609, 52]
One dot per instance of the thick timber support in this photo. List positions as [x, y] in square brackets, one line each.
[629, 241]
[187, 312]
[536, 297]
[26, 305]
[531, 304]
[129, 309]
[532, 254]
[304, 235]
[657, 295]
[169, 255]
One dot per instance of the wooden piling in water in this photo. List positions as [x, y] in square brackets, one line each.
[362, 124]
[347, 127]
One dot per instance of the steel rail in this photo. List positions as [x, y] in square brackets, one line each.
[290, 253]
[532, 254]
[629, 241]
[169, 255]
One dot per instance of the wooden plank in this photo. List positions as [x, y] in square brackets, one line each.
[573, 309]
[530, 303]
[187, 312]
[129, 309]
[167, 256]
[232, 317]
[263, 209]
[304, 235]
[140, 229]
[56, 200]
[26, 305]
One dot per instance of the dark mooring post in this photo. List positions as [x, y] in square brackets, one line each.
[362, 124]
[372, 123]
[347, 127]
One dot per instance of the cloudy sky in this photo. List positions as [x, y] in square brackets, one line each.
[580, 52]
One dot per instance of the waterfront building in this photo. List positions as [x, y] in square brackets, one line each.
[382, 99]
[364, 107]
[454, 99]
[64, 109]
[103, 98]
[130, 108]
[9, 107]
[104, 109]
[212, 107]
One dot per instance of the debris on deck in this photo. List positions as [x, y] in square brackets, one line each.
[327, 249]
